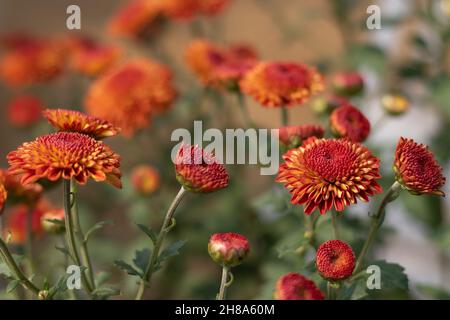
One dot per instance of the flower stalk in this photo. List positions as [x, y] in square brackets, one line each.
[284, 116]
[244, 110]
[226, 281]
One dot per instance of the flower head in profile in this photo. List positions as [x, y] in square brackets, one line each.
[219, 67]
[228, 249]
[65, 155]
[326, 173]
[281, 84]
[136, 19]
[416, 168]
[28, 194]
[348, 122]
[347, 83]
[25, 110]
[395, 104]
[294, 286]
[129, 95]
[335, 260]
[30, 60]
[293, 136]
[91, 58]
[52, 221]
[145, 179]
[199, 171]
[75, 121]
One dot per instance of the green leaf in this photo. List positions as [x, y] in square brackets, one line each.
[434, 292]
[97, 226]
[149, 232]
[170, 251]
[60, 286]
[12, 285]
[141, 259]
[4, 270]
[392, 276]
[106, 292]
[127, 268]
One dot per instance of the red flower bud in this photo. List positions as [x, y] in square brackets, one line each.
[347, 83]
[228, 249]
[51, 226]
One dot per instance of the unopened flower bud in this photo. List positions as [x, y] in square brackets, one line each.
[228, 249]
[53, 221]
[43, 295]
[325, 105]
[395, 104]
[347, 83]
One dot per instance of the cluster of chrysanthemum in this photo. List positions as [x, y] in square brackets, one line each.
[140, 18]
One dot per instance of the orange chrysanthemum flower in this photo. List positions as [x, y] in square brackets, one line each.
[281, 84]
[416, 168]
[348, 122]
[24, 111]
[327, 172]
[335, 260]
[218, 67]
[138, 18]
[212, 7]
[293, 136]
[180, 9]
[29, 60]
[18, 192]
[128, 96]
[198, 171]
[65, 155]
[75, 121]
[294, 286]
[91, 58]
[145, 179]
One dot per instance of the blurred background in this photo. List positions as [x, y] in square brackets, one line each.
[409, 55]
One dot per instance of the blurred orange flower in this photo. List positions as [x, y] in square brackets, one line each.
[281, 84]
[212, 7]
[30, 60]
[75, 121]
[293, 136]
[65, 155]
[294, 286]
[129, 95]
[145, 179]
[18, 192]
[219, 67]
[91, 58]
[24, 111]
[180, 9]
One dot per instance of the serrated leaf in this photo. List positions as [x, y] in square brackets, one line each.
[149, 232]
[392, 276]
[12, 285]
[171, 251]
[4, 270]
[127, 268]
[95, 227]
[141, 259]
[106, 291]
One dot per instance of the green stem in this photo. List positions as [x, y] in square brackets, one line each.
[165, 228]
[29, 242]
[86, 260]
[246, 116]
[331, 292]
[70, 235]
[377, 221]
[284, 116]
[9, 261]
[334, 222]
[224, 283]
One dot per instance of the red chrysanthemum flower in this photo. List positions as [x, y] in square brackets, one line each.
[228, 249]
[52, 221]
[91, 58]
[347, 83]
[128, 96]
[281, 84]
[18, 192]
[24, 111]
[416, 168]
[219, 67]
[335, 260]
[75, 121]
[293, 136]
[138, 18]
[180, 9]
[323, 173]
[198, 171]
[348, 122]
[29, 60]
[145, 179]
[212, 7]
[294, 286]
[65, 155]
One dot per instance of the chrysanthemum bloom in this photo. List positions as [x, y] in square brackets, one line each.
[198, 171]
[293, 136]
[145, 179]
[138, 18]
[18, 192]
[348, 122]
[91, 58]
[212, 7]
[347, 83]
[323, 173]
[75, 121]
[326, 105]
[128, 96]
[228, 249]
[180, 9]
[65, 155]
[24, 111]
[281, 84]
[294, 286]
[416, 168]
[219, 67]
[335, 260]
[32, 60]
[395, 104]
[52, 221]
